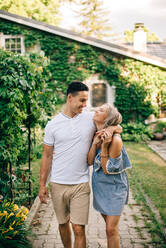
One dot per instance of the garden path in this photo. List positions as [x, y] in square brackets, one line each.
[132, 229]
[159, 147]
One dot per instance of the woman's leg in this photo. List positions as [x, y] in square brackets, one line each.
[104, 216]
[112, 231]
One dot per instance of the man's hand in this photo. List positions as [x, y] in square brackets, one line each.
[43, 194]
[106, 134]
[118, 129]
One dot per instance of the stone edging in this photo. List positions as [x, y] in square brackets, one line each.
[33, 211]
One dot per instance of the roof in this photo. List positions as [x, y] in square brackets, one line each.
[158, 49]
[111, 47]
[154, 48]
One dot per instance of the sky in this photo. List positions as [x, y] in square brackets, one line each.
[125, 13]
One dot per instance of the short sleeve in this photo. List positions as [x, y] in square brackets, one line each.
[48, 136]
[114, 165]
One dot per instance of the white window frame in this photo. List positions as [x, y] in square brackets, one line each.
[3, 37]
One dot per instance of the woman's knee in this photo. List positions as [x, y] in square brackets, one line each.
[79, 230]
[111, 231]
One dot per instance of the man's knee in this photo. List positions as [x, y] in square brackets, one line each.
[79, 230]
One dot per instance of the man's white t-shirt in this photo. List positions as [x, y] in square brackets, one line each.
[71, 139]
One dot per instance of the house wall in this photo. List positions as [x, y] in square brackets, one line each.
[130, 83]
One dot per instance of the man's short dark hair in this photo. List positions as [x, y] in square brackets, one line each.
[75, 87]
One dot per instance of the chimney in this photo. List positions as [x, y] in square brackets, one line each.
[139, 38]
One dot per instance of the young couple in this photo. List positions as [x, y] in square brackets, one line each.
[73, 140]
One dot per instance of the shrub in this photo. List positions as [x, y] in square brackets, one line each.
[136, 132]
[13, 231]
[160, 127]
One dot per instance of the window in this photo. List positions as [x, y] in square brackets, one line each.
[13, 43]
[99, 94]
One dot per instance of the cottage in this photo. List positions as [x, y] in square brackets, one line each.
[23, 35]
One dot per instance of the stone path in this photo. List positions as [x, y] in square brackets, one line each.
[159, 147]
[133, 233]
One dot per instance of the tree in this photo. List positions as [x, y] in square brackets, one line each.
[151, 37]
[41, 10]
[94, 19]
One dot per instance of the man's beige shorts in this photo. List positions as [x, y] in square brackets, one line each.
[71, 202]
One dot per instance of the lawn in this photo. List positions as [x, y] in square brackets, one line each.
[150, 171]
[148, 177]
[35, 177]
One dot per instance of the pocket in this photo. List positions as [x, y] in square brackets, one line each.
[87, 187]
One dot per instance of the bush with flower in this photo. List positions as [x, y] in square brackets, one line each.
[13, 230]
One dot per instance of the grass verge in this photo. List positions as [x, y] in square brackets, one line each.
[148, 175]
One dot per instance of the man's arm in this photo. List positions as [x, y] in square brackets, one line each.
[44, 172]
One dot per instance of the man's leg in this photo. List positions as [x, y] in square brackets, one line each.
[79, 211]
[65, 232]
[79, 234]
[61, 207]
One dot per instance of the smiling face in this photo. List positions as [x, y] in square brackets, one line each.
[101, 114]
[77, 102]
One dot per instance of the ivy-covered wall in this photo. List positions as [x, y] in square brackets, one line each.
[140, 87]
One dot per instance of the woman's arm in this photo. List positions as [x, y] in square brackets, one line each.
[94, 146]
[112, 150]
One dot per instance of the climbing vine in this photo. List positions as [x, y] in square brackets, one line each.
[23, 94]
[140, 87]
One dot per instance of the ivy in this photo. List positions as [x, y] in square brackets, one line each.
[23, 94]
[140, 87]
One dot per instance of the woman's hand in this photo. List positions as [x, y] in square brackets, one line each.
[106, 139]
[97, 139]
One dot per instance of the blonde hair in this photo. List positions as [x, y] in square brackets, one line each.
[114, 117]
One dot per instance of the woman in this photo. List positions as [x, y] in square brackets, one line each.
[109, 179]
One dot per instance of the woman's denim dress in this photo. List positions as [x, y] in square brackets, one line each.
[110, 191]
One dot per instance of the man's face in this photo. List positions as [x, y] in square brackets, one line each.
[78, 102]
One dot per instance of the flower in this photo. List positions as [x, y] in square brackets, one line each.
[25, 210]
[11, 214]
[5, 213]
[15, 207]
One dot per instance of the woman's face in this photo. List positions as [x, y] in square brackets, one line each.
[101, 114]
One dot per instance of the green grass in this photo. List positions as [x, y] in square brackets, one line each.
[35, 165]
[148, 175]
[150, 171]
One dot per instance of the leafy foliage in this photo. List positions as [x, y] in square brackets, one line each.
[41, 10]
[160, 127]
[23, 94]
[136, 132]
[140, 87]
[94, 19]
[13, 231]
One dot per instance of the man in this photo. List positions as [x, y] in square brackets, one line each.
[66, 144]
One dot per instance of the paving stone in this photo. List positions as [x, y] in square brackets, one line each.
[138, 246]
[126, 243]
[38, 243]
